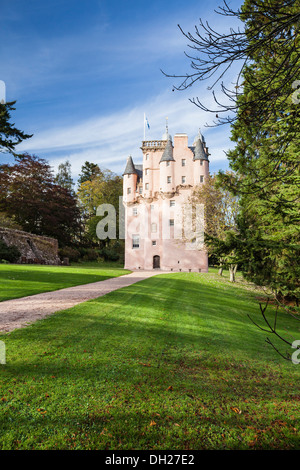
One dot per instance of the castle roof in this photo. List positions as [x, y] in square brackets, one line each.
[167, 156]
[198, 149]
[130, 168]
[139, 171]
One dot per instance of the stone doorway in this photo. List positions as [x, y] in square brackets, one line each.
[156, 262]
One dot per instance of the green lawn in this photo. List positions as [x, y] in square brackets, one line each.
[19, 280]
[172, 362]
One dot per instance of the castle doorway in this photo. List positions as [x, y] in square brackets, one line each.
[156, 262]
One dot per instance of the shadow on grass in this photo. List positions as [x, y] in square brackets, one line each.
[178, 352]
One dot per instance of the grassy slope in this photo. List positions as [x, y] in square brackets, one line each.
[172, 362]
[21, 280]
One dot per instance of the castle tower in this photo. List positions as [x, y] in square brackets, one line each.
[166, 168]
[129, 181]
[155, 197]
[200, 160]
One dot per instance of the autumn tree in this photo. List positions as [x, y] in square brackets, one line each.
[29, 196]
[105, 187]
[220, 216]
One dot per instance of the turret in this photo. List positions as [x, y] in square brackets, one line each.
[166, 167]
[200, 160]
[129, 181]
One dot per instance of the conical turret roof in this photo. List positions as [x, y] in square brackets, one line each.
[130, 168]
[167, 156]
[199, 152]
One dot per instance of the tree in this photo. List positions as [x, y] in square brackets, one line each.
[88, 172]
[64, 176]
[104, 188]
[10, 136]
[29, 195]
[265, 24]
[264, 114]
[220, 215]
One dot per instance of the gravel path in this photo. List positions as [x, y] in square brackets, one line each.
[17, 313]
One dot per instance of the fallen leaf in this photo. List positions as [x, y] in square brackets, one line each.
[236, 410]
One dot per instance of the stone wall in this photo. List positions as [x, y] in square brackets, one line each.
[34, 249]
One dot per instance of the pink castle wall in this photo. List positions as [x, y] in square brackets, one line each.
[152, 206]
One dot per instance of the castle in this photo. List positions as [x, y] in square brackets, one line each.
[155, 196]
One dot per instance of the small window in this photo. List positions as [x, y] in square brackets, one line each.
[152, 207]
[147, 186]
[140, 190]
[153, 242]
[201, 162]
[172, 203]
[169, 179]
[128, 190]
[183, 179]
[146, 171]
[201, 179]
[147, 156]
[183, 162]
[135, 241]
[171, 222]
[128, 176]
[167, 163]
[134, 211]
[153, 228]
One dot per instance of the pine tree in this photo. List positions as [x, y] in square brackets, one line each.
[10, 136]
[64, 176]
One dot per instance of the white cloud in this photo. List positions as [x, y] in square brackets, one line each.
[109, 139]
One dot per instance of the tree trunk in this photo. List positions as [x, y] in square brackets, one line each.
[232, 271]
[220, 272]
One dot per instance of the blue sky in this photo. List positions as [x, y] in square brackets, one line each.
[84, 74]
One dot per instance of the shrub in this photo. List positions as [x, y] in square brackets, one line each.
[90, 255]
[9, 253]
[69, 252]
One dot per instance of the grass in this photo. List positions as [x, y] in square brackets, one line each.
[18, 280]
[172, 362]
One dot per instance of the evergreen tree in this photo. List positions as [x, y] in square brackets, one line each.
[266, 159]
[64, 176]
[88, 172]
[10, 136]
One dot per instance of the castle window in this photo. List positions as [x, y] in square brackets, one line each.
[183, 162]
[152, 207]
[147, 156]
[147, 186]
[128, 190]
[183, 179]
[201, 162]
[153, 228]
[172, 203]
[171, 222]
[169, 179]
[146, 171]
[140, 190]
[134, 211]
[201, 179]
[135, 241]
[128, 176]
[167, 163]
[153, 242]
